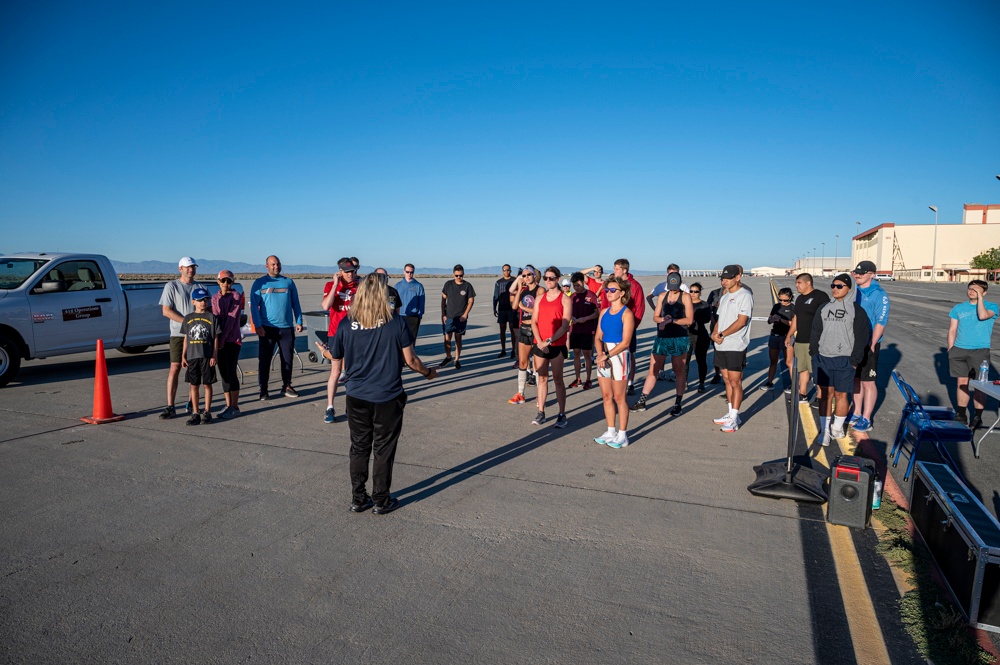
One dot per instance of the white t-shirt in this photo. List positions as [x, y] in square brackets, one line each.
[731, 305]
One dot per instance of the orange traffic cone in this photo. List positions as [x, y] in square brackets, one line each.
[102, 392]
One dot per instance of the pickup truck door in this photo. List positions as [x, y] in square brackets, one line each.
[72, 306]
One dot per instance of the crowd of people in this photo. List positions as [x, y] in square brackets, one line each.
[547, 317]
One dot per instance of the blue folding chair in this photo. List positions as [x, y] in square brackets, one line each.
[919, 422]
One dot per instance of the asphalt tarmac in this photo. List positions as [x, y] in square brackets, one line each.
[149, 540]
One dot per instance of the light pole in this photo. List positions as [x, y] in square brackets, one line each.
[836, 250]
[934, 254]
[822, 261]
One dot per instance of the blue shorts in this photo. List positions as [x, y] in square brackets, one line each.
[671, 346]
[455, 325]
[836, 372]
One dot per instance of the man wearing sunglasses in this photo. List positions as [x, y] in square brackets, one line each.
[412, 299]
[338, 295]
[731, 335]
[457, 298]
[875, 300]
[507, 316]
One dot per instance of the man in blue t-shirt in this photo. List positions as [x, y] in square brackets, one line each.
[969, 345]
[875, 301]
[275, 310]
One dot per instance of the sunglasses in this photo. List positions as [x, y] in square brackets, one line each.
[408, 272]
[225, 280]
[550, 278]
[838, 286]
[611, 289]
[695, 290]
[459, 274]
[784, 300]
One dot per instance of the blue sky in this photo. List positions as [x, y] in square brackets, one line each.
[565, 133]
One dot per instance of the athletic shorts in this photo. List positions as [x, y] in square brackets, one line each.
[868, 369]
[510, 317]
[834, 371]
[525, 337]
[176, 349]
[775, 341]
[582, 341]
[455, 325]
[200, 372]
[966, 362]
[804, 360]
[671, 346]
[550, 352]
[635, 339]
[617, 367]
[732, 361]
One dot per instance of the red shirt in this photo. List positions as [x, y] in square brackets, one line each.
[584, 304]
[341, 302]
[637, 299]
[595, 286]
[550, 317]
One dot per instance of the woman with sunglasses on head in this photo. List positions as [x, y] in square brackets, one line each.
[614, 335]
[780, 319]
[840, 332]
[550, 326]
[523, 293]
[699, 334]
[227, 306]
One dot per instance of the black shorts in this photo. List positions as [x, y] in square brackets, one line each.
[550, 352]
[584, 341]
[525, 337]
[510, 317]
[731, 361]
[965, 362]
[455, 325]
[868, 368]
[200, 372]
[836, 372]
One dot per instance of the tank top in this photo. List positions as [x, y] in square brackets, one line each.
[612, 327]
[550, 316]
[674, 311]
[528, 300]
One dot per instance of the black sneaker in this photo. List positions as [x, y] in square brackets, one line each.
[539, 419]
[195, 419]
[630, 390]
[226, 414]
[716, 379]
[363, 506]
[531, 380]
[701, 388]
[458, 365]
[962, 417]
[387, 507]
[445, 362]
[502, 354]
[264, 397]
[168, 413]
[976, 423]
[638, 406]
[561, 421]
[206, 418]
[676, 411]
[288, 391]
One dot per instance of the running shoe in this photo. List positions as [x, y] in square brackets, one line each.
[331, 415]
[863, 425]
[607, 436]
[676, 411]
[206, 418]
[767, 386]
[502, 354]
[976, 423]
[225, 414]
[445, 362]
[638, 406]
[702, 389]
[662, 376]
[189, 409]
[576, 384]
[620, 440]
[824, 440]
[195, 419]
[387, 507]
[362, 506]
[168, 413]
[716, 379]
[853, 420]
[961, 417]
[630, 390]
[561, 421]
[264, 396]
[721, 419]
[234, 412]
[671, 376]
[587, 385]
[837, 432]
[518, 398]
[803, 399]
[730, 425]
[788, 391]
[539, 419]
[531, 380]
[288, 391]
[458, 365]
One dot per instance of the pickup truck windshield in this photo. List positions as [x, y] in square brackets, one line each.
[14, 272]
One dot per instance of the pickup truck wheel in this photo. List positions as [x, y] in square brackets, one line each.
[10, 360]
[133, 349]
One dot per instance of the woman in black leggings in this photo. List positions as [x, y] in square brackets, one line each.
[700, 334]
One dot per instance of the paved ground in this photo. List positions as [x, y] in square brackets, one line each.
[148, 540]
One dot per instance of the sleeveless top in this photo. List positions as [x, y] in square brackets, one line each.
[550, 316]
[528, 300]
[675, 311]
[612, 328]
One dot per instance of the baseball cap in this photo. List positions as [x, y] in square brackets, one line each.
[729, 272]
[186, 261]
[674, 281]
[864, 267]
[226, 273]
[200, 294]
[346, 264]
[565, 281]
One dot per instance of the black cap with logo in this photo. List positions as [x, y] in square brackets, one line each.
[864, 267]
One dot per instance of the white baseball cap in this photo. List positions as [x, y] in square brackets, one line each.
[186, 261]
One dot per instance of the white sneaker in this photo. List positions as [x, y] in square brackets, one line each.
[607, 436]
[721, 420]
[731, 425]
[824, 439]
[620, 440]
[837, 432]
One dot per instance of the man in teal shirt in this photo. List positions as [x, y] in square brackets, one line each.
[274, 309]
[875, 302]
[969, 345]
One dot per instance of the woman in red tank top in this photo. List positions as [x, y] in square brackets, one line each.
[549, 325]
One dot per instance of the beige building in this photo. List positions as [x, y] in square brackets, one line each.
[907, 251]
[823, 265]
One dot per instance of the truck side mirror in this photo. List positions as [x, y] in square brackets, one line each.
[51, 286]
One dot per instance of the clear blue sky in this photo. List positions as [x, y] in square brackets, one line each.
[562, 133]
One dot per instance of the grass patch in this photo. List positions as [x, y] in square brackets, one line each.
[937, 627]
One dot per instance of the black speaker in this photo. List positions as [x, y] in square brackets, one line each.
[852, 481]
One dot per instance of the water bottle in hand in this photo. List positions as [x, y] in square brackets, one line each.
[984, 371]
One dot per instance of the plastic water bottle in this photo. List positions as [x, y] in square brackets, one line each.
[877, 494]
[984, 370]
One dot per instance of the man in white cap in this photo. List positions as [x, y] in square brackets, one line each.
[176, 302]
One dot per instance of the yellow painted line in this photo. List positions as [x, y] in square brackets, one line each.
[869, 644]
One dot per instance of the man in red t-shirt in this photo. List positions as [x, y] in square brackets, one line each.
[595, 284]
[338, 295]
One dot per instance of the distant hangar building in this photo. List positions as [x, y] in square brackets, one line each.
[906, 251]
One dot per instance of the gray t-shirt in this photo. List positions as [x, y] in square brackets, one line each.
[731, 305]
[177, 294]
[457, 297]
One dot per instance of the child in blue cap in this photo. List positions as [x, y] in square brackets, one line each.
[201, 353]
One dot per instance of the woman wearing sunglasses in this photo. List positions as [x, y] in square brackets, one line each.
[550, 325]
[614, 334]
[227, 306]
[699, 334]
[780, 319]
[523, 293]
[839, 336]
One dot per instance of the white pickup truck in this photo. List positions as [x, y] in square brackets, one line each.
[57, 304]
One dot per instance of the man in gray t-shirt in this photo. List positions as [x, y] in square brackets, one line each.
[731, 335]
[176, 303]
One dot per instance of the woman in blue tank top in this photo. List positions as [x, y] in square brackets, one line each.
[614, 334]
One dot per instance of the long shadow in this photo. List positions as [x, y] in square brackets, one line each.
[944, 375]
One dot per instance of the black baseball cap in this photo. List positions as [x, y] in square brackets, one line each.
[730, 271]
[674, 281]
[864, 267]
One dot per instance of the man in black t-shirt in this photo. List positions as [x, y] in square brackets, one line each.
[457, 298]
[806, 306]
[507, 316]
